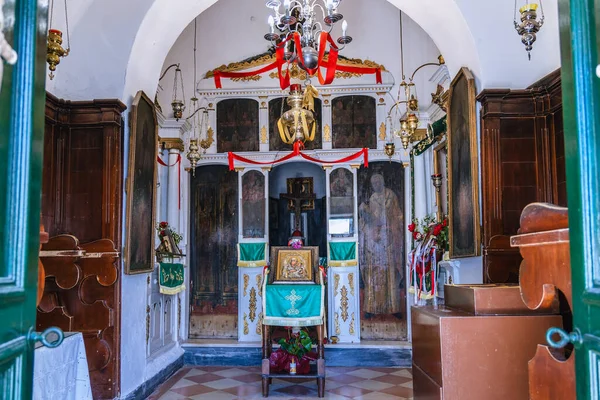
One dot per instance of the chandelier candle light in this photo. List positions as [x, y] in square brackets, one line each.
[299, 26]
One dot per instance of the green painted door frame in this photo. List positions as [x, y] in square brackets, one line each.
[22, 102]
[580, 47]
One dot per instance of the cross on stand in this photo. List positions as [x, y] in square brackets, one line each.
[298, 194]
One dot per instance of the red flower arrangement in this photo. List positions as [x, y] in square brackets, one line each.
[421, 229]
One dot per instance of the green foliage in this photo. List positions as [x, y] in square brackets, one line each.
[298, 344]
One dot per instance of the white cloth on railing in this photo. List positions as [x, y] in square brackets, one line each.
[62, 373]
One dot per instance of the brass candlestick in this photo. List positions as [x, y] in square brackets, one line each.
[437, 184]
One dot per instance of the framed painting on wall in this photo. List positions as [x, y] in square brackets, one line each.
[141, 186]
[463, 171]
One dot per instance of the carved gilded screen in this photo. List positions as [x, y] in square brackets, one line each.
[276, 108]
[237, 125]
[354, 120]
[253, 204]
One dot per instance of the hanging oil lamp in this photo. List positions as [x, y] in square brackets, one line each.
[529, 25]
[54, 50]
[298, 123]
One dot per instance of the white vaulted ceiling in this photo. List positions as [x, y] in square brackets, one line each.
[119, 47]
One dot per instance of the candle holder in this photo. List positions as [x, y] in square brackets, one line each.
[437, 181]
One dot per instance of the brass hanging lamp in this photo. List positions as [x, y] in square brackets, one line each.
[298, 123]
[54, 50]
[529, 25]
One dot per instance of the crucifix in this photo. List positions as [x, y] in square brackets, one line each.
[299, 195]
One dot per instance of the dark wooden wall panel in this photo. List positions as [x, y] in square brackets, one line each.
[82, 203]
[522, 159]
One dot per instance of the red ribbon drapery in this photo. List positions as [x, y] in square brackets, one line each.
[331, 65]
[298, 146]
[178, 161]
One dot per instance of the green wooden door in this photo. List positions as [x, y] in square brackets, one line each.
[580, 45]
[22, 99]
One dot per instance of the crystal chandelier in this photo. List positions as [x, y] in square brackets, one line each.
[408, 121]
[529, 25]
[300, 16]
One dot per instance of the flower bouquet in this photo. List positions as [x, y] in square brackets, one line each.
[169, 241]
[296, 351]
[431, 240]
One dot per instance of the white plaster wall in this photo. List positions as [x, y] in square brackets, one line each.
[503, 58]
[381, 45]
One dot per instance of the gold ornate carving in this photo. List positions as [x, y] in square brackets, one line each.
[172, 143]
[246, 327]
[327, 133]
[264, 137]
[336, 279]
[247, 78]
[147, 324]
[382, 131]
[263, 105]
[338, 331]
[252, 304]
[259, 324]
[178, 315]
[295, 73]
[357, 62]
[246, 282]
[259, 285]
[419, 135]
[355, 166]
[352, 321]
[268, 169]
[239, 169]
[351, 282]
[440, 97]
[238, 66]
[344, 303]
[210, 138]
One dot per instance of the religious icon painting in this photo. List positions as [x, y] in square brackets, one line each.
[301, 186]
[293, 265]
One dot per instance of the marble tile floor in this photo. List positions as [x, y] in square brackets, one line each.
[229, 383]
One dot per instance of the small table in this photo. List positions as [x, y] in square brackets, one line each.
[62, 373]
[302, 299]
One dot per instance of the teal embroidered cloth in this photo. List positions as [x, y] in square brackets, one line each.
[252, 254]
[294, 305]
[342, 254]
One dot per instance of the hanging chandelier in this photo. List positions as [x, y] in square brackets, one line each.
[54, 50]
[404, 122]
[529, 25]
[300, 17]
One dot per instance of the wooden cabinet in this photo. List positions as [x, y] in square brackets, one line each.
[463, 356]
[82, 196]
[522, 161]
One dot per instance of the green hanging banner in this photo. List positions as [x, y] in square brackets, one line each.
[171, 278]
[294, 305]
[252, 254]
[342, 254]
[435, 130]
